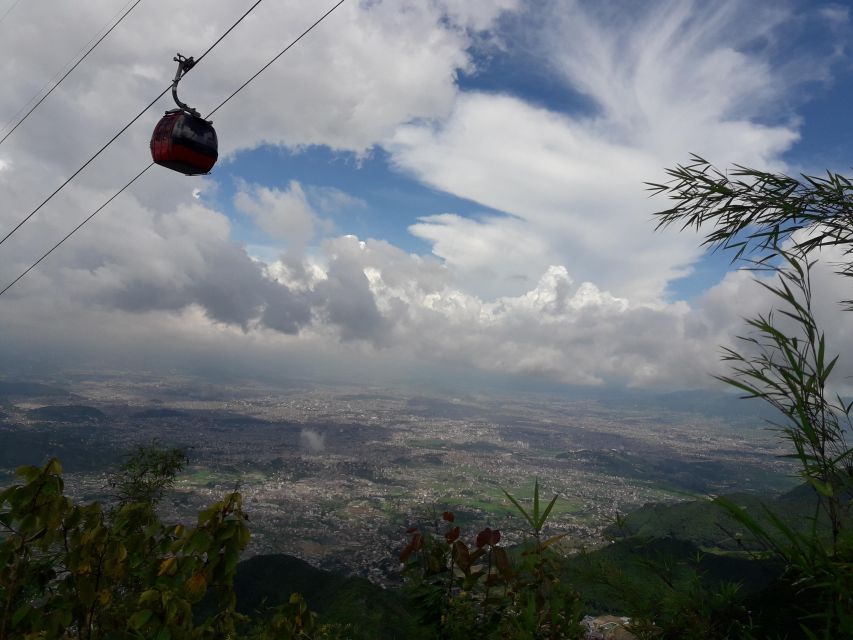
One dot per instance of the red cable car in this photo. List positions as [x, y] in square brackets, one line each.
[184, 141]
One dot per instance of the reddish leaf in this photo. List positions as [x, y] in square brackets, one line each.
[406, 553]
[496, 537]
[415, 544]
[484, 537]
[461, 556]
[502, 562]
[452, 535]
[196, 585]
[411, 530]
[448, 516]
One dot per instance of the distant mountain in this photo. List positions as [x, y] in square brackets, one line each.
[73, 413]
[628, 572]
[375, 613]
[668, 550]
[707, 525]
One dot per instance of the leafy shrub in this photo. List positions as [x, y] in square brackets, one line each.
[68, 570]
[484, 590]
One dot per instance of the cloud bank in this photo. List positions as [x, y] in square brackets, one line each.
[565, 280]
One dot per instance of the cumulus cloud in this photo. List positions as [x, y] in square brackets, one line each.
[558, 329]
[283, 213]
[369, 68]
[347, 300]
[491, 255]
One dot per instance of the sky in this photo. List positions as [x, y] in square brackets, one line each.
[420, 191]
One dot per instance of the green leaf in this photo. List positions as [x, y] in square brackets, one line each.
[553, 539]
[138, 619]
[536, 504]
[547, 512]
[20, 614]
[520, 509]
[825, 489]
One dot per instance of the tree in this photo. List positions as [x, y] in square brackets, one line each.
[87, 572]
[779, 224]
[146, 474]
[76, 571]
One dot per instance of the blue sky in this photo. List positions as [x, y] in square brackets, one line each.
[454, 185]
[388, 200]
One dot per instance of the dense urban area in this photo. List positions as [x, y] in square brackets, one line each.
[334, 475]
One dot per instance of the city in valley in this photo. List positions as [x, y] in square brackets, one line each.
[336, 474]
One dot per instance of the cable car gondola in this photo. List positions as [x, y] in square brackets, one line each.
[184, 141]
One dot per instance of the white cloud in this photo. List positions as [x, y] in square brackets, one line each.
[284, 214]
[836, 14]
[409, 307]
[475, 14]
[666, 80]
[489, 256]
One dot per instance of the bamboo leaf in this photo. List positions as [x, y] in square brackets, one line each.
[536, 504]
[547, 511]
[518, 507]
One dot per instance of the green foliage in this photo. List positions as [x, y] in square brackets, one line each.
[70, 571]
[788, 367]
[785, 362]
[293, 620]
[484, 590]
[751, 211]
[705, 525]
[146, 474]
[535, 518]
[669, 588]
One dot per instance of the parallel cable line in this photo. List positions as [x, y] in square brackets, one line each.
[9, 10]
[83, 166]
[67, 73]
[74, 230]
[276, 57]
[122, 130]
[140, 174]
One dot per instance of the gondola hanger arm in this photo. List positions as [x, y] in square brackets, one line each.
[184, 65]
